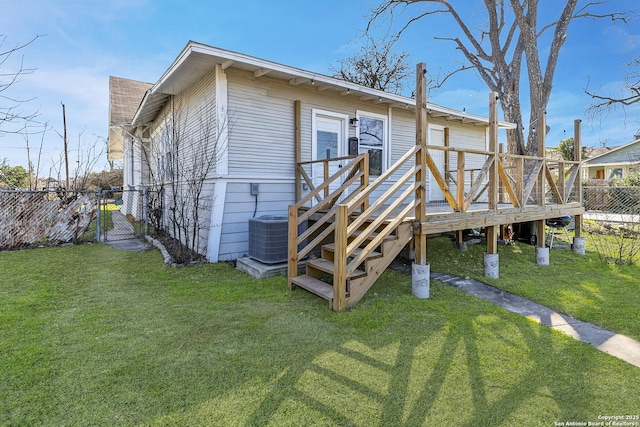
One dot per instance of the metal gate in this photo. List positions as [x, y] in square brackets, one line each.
[121, 215]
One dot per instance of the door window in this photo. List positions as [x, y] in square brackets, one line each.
[372, 131]
[327, 146]
[329, 132]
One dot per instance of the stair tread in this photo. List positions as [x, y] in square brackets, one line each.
[332, 247]
[327, 266]
[315, 286]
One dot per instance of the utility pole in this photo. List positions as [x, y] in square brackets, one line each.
[66, 151]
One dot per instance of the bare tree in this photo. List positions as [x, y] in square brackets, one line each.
[10, 112]
[630, 94]
[512, 34]
[87, 157]
[32, 130]
[179, 158]
[376, 66]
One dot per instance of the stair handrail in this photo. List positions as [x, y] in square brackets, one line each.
[315, 192]
[347, 226]
[366, 192]
[356, 170]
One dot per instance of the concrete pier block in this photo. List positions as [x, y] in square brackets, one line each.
[542, 256]
[491, 265]
[579, 245]
[420, 280]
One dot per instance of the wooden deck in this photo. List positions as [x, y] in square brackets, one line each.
[358, 227]
[441, 219]
[354, 236]
[438, 220]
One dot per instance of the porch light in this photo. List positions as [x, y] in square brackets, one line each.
[353, 122]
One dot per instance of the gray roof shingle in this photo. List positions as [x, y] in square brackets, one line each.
[125, 96]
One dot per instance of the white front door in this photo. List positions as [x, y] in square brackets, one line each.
[329, 142]
[436, 137]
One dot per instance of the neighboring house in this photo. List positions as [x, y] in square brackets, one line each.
[124, 99]
[265, 118]
[615, 163]
[554, 154]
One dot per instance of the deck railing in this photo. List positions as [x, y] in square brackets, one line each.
[360, 227]
[521, 180]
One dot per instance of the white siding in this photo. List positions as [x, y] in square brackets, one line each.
[193, 117]
[261, 134]
[273, 199]
[261, 145]
[190, 148]
[261, 113]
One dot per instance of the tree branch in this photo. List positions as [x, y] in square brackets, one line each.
[9, 112]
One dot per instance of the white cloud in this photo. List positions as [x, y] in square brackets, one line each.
[82, 89]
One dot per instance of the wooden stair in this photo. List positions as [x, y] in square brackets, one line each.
[318, 278]
[356, 239]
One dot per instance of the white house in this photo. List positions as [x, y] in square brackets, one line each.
[258, 112]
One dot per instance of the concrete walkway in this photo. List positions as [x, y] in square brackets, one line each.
[616, 345]
[124, 237]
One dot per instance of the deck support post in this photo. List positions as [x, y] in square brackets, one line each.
[491, 265]
[493, 150]
[458, 242]
[420, 280]
[579, 245]
[542, 252]
[578, 240]
[491, 256]
[420, 268]
[542, 255]
[541, 127]
[292, 237]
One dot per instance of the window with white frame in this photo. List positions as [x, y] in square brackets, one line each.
[372, 138]
[615, 173]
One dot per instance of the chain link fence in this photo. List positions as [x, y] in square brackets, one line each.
[52, 217]
[45, 218]
[614, 200]
[121, 214]
[612, 221]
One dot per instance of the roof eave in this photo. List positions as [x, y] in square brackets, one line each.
[613, 150]
[159, 92]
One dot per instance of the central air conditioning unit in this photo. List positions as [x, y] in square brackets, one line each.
[268, 239]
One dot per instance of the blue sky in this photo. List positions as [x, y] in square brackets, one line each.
[84, 42]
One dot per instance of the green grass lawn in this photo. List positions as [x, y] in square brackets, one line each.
[90, 335]
[584, 287]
